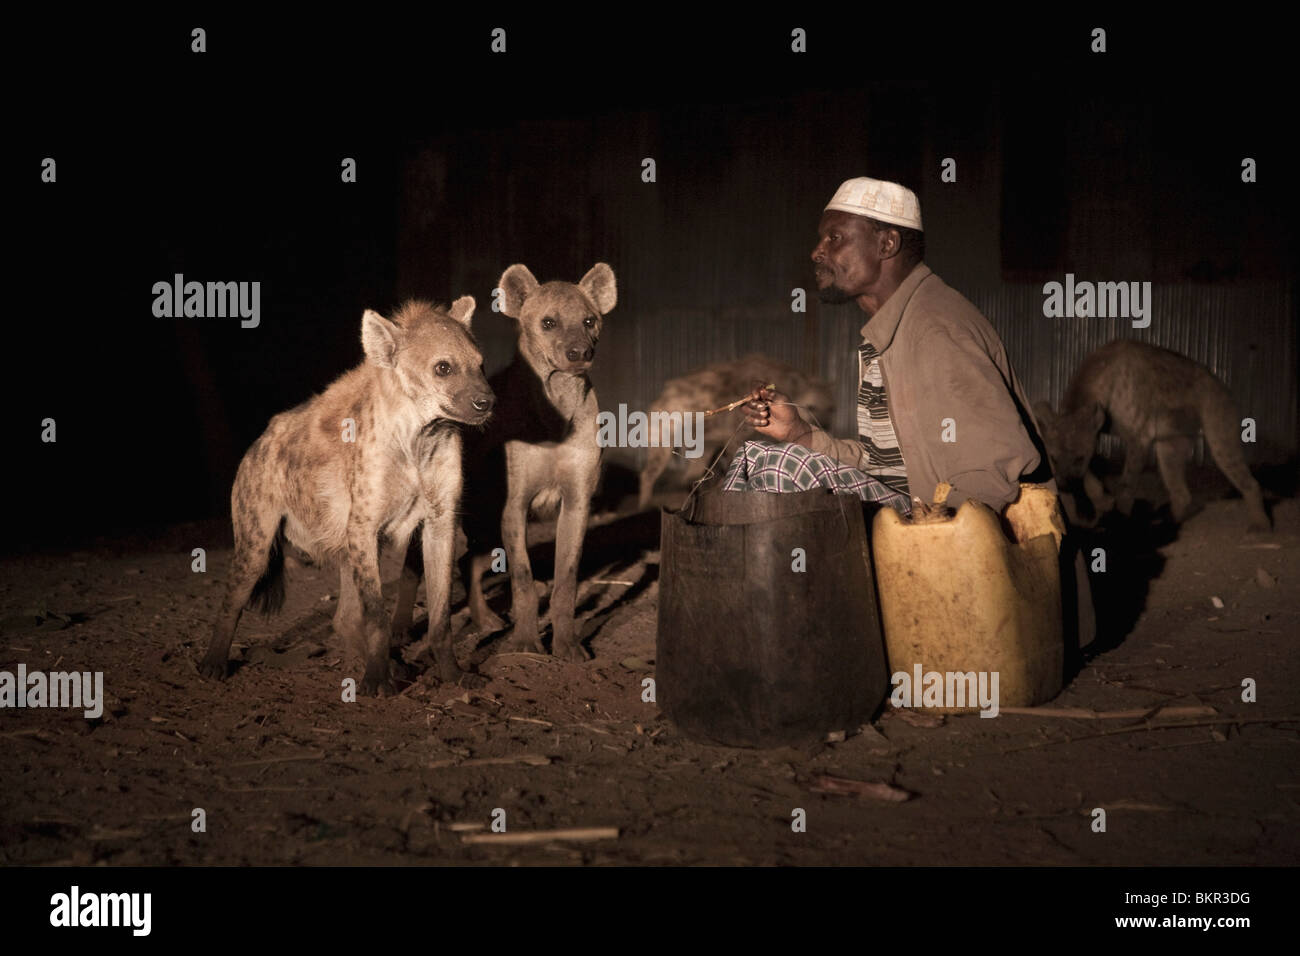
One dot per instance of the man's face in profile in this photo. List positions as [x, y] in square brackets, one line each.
[846, 260]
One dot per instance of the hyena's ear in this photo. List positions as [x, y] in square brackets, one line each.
[599, 284]
[1045, 414]
[462, 309]
[516, 285]
[379, 338]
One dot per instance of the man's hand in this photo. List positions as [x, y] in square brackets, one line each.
[771, 414]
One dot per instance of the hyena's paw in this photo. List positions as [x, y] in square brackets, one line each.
[377, 682]
[489, 622]
[401, 634]
[571, 651]
[1259, 522]
[471, 680]
[518, 640]
[400, 671]
[213, 668]
[449, 672]
[376, 687]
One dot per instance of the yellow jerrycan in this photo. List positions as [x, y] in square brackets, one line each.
[975, 593]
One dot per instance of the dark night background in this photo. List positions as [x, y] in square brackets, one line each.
[225, 166]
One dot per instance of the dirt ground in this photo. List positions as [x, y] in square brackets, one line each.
[286, 772]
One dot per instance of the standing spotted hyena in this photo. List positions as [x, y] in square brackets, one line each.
[539, 451]
[714, 386]
[373, 456]
[1150, 397]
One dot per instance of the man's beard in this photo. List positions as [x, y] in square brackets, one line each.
[834, 295]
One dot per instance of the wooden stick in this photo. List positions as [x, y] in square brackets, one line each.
[543, 836]
[737, 403]
[28, 732]
[533, 760]
[267, 760]
[531, 720]
[825, 783]
[1150, 727]
[1080, 713]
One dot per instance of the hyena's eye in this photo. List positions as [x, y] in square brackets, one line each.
[442, 368]
[589, 321]
[548, 323]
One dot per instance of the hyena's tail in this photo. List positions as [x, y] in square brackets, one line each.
[268, 592]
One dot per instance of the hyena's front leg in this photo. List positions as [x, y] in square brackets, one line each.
[1135, 461]
[347, 616]
[407, 585]
[439, 552]
[363, 563]
[569, 535]
[1096, 494]
[523, 598]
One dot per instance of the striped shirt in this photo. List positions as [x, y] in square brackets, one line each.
[884, 459]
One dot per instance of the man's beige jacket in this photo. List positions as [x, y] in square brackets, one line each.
[946, 375]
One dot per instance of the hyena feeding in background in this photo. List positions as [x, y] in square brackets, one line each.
[539, 451]
[1148, 396]
[374, 455]
[714, 386]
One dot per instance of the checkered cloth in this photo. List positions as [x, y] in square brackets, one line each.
[781, 466]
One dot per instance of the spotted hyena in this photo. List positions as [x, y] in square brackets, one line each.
[373, 456]
[719, 384]
[1148, 396]
[538, 452]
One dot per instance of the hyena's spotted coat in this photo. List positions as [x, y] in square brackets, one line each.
[302, 483]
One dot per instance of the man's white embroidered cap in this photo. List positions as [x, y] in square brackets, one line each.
[877, 199]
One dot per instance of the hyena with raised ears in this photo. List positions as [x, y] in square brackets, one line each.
[539, 451]
[1148, 397]
[372, 457]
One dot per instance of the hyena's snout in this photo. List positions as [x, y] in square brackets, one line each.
[473, 404]
[483, 405]
[578, 354]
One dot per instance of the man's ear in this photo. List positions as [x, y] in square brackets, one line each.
[889, 242]
[516, 285]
